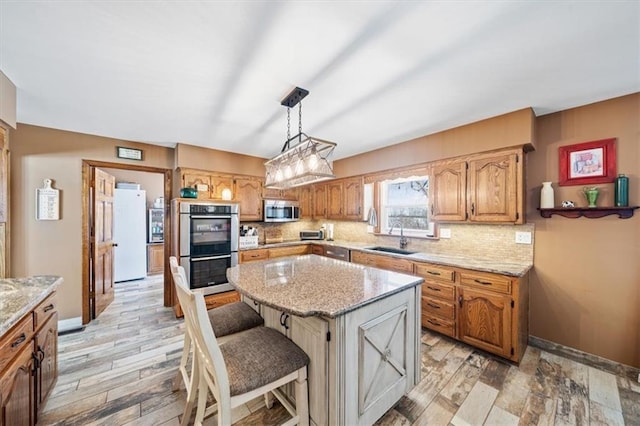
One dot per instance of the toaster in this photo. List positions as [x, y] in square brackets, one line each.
[312, 235]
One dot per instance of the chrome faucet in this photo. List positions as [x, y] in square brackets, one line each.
[403, 239]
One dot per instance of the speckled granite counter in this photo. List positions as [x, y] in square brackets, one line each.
[20, 295]
[315, 285]
[498, 267]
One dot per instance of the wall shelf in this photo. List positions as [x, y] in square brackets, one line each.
[591, 213]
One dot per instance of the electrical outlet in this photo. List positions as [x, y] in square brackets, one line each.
[523, 237]
[445, 233]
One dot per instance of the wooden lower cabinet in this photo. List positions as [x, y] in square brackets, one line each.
[212, 301]
[488, 311]
[155, 259]
[288, 251]
[17, 390]
[253, 255]
[29, 364]
[382, 261]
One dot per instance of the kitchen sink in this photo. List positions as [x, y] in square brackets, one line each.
[390, 250]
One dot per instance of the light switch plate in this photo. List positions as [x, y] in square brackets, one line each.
[445, 233]
[523, 237]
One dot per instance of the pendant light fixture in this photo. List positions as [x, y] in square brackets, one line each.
[303, 159]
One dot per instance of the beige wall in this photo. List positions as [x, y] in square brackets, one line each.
[585, 287]
[151, 183]
[193, 157]
[55, 247]
[515, 128]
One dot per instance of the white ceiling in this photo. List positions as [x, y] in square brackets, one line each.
[212, 73]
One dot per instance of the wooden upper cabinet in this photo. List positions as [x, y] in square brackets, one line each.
[201, 181]
[218, 184]
[319, 201]
[334, 200]
[305, 198]
[493, 189]
[448, 184]
[280, 194]
[248, 193]
[352, 198]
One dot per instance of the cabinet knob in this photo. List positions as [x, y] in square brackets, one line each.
[460, 300]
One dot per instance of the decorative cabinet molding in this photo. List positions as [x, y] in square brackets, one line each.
[589, 212]
[248, 193]
[344, 199]
[448, 183]
[319, 201]
[305, 201]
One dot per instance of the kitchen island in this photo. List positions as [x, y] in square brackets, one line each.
[359, 325]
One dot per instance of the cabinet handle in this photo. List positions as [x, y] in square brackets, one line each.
[19, 340]
[434, 322]
[48, 307]
[36, 361]
[433, 273]
[40, 353]
[432, 209]
[473, 208]
[433, 288]
[283, 320]
[482, 282]
[460, 301]
[433, 306]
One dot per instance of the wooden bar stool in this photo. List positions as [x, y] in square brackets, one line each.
[253, 363]
[226, 320]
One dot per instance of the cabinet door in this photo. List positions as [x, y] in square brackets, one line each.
[334, 200]
[155, 259]
[448, 184]
[277, 320]
[305, 197]
[310, 334]
[17, 390]
[218, 184]
[271, 193]
[493, 189]
[485, 320]
[200, 181]
[248, 194]
[47, 353]
[319, 201]
[352, 208]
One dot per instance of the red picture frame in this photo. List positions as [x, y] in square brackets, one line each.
[587, 163]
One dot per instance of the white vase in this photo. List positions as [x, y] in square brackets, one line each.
[546, 196]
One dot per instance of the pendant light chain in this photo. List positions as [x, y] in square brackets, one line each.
[300, 122]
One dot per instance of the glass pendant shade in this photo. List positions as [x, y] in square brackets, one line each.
[304, 163]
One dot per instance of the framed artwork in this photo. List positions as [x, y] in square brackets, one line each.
[129, 153]
[587, 163]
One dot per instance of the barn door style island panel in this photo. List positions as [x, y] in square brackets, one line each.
[359, 325]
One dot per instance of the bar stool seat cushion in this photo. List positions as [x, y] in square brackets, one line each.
[260, 356]
[233, 318]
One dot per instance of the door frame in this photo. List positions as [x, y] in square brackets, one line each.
[87, 169]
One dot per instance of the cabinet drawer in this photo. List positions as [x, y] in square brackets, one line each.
[434, 272]
[394, 264]
[438, 324]
[250, 255]
[12, 342]
[441, 290]
[485, 281]
[439, 307]
[45, 310]
[319, 250]
[216, 300]
[288, 251]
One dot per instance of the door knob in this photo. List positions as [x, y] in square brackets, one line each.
[114, 244]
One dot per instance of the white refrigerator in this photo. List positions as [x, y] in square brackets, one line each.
[130, 234]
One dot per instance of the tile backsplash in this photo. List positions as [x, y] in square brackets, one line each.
[490, 242]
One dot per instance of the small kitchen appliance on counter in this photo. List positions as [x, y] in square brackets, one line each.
[312, 235]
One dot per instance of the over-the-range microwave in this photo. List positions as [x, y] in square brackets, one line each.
[281, 211]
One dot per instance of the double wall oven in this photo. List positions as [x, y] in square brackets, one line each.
[208, 244]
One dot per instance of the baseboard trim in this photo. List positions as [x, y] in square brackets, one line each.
[595, 361]
[70, 325]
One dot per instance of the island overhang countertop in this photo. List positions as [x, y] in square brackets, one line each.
[310, 285]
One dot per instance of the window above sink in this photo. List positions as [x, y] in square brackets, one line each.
[403, 207]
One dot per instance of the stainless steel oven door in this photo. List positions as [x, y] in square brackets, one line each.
[208, 275]
[203, 235]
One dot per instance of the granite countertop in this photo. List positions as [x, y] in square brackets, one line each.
[20, 295]
[315, 285]
[513, 269]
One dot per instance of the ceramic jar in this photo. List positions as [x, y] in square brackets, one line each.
[546, 196]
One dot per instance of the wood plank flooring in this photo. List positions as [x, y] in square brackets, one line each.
[119, 371]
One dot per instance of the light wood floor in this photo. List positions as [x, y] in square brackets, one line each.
[119, 372]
